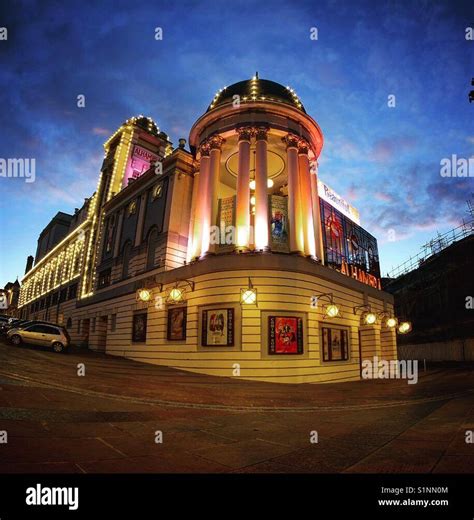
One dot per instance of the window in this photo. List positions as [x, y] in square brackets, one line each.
[335, 344]
[93, 325]
[54, 298]
[73, 291]
[152, 241]
[62, 295]
[126, 259]
[139, 328]
[46, 329]
[104, 278]
[69, 323]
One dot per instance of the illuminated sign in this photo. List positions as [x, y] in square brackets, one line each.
[359, 274]
[140, 161]
[331, 197]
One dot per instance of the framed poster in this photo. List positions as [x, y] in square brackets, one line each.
[218, 327]
[139, 327]
[335, 344]
[176, 323]
[279, 224]
[285, 335]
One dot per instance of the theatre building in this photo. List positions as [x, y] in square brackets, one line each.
[231, 258]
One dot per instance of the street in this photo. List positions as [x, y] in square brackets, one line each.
[123, 416]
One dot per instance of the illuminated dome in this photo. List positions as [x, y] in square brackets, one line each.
[146, 123]
[256, 89]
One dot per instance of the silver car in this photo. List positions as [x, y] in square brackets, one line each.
[41, 334]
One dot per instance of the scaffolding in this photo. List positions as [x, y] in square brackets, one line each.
[436, 245]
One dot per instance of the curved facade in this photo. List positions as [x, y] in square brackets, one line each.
[228, 259]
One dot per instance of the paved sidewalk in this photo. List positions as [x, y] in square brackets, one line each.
[108, 421]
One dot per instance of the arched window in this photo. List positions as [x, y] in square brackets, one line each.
[152, 241]
[126, 259]
[69, 323]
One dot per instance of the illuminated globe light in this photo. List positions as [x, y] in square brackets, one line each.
[332, 310]
[144, 295]
[404, 327]
[249, 296]
[252, 201]
[252, 184]
[176, 294]
[270, 183]
[391, 322]
[370, 318]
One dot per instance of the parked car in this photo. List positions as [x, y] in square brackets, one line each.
[41, 334]
[11, 323]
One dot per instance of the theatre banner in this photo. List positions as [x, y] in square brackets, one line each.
[279, 224]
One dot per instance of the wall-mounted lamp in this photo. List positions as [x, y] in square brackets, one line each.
[331, 310]
[177, 293]
[404, 328]
[144, 294]
[248, 295]
[367, 316]
[388, 319]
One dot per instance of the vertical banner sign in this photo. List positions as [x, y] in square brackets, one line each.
[227, 222]
[279, 224]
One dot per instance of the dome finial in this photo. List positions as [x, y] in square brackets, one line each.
[256, 75]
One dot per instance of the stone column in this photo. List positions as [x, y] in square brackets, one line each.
[192, 242]
[306, 202]
[318, 225]
[261, 190]
[294, 198]
[201, 223]
[215, 144]
[243, 189]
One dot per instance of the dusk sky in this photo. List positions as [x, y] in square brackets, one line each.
[385, 161]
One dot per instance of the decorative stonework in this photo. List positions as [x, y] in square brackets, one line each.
[245, 133]
[303, 147]
[261, 133]
[204, 150]
[216, 142]
[291, 141]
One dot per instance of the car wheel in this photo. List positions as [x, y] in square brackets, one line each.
[58, 347]
[16, 340]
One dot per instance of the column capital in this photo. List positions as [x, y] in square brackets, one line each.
[204, 149]
[261, 133]
[291, 141]
[245, 133]
[216, 142]
[303, 147]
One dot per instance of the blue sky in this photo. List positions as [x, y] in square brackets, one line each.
[385, 161]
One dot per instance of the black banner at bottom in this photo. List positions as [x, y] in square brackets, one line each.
[141, 496]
